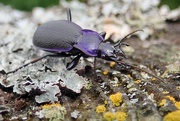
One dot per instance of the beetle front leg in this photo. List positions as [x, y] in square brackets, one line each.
[73, 63]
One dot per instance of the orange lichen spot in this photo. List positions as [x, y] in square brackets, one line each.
[163, 102]
[111, 64]
[177, 104]
[121, 116]
[105, 72]
[137, 81]
[116, 98]
[100, 109]
[48, 106]
[172, 116]
[170, 98]
[165, 92]
[153, 78]
[108, 116]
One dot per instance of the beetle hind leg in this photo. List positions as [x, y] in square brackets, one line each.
[73, 63]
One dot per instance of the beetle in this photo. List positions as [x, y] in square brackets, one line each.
[64, 38]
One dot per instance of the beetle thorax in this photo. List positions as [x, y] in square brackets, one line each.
[89, 42]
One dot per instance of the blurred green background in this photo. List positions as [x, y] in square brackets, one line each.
[173, 4]
[28, 5]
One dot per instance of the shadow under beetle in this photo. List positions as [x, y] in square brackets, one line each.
[64, 38]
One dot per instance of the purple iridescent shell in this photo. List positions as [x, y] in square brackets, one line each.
[89, 42]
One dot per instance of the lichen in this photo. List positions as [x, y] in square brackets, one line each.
[116, 98]
[75, 114]
[162, 102]
[137, 81]
[53, 112]
[50, 94]
[100, 109]
[112, 64]
[47, 106]
[17, 49]
[121, 116]
[177, 104]
[108, 116]
[37, 77]
[172, 116]
[105, 72]
[170, 98]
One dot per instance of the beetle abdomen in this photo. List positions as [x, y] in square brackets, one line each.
[59, 36]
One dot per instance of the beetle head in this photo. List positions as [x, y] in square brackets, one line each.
[109, 52]
[113, 52]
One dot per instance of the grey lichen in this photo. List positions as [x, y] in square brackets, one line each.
[45, 76]
[49, 95]
[46, 79]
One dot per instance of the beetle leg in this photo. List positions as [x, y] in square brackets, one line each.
[103, 34]
[73, 63]
[95, 74]
[38, 59]
[68, 14]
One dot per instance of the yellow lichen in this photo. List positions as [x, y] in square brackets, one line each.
[47, 106]
[121, 116]
[137, 81]
[165, 92]
[100, 109]
[177, 104]
[53, 112]
[105, 72]
[112, 64]
[154, 79]
[163, 102]
[116, 98]
[173, 116]
[108, 116]
[170, 98]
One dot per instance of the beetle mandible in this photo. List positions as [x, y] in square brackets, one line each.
[64, 38]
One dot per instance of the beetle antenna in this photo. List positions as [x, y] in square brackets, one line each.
[139, 69]
[68, 14]
[123, 39]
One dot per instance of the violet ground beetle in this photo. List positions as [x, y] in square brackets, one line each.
[64, 38]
